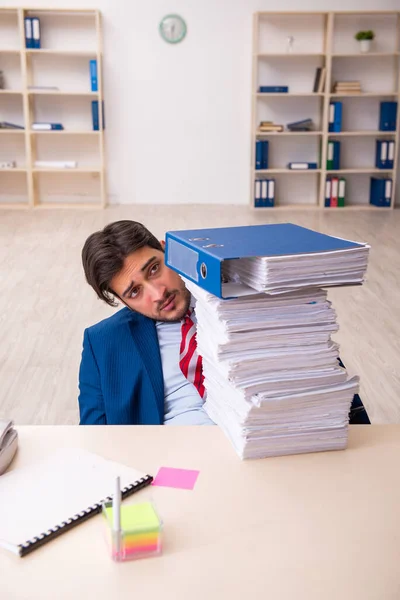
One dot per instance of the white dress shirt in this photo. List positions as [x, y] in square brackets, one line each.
[183, 404]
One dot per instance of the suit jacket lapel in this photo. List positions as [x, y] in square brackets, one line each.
[145, 337]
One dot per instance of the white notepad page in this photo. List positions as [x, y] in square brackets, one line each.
[38, 497]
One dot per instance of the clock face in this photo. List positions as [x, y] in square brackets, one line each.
[173, 29]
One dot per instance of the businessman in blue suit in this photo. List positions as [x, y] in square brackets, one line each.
[130, 372]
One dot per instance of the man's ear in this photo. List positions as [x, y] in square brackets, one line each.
[162, 242]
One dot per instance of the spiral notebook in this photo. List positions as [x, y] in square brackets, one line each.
[42, 501]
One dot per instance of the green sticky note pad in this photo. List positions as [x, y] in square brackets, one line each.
[136, 517]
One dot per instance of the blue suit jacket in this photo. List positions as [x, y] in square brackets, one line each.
[120, 377]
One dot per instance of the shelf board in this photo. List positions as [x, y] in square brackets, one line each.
[286, 207]
[357, 207]
[291, 171]
[12, 206]
[60, 93]
[368, 13]
[77, 170]
[307, 13]
[365, 170]
[63, 205]
[364, 54]
[363, 94]
[289, 55]
[12, 131]
[13, 92]
[76, 53]
[64, 132]
[360, 133]
[16, 170]
[279, 133]
[317, 207]
[9, 51]
[286, 94]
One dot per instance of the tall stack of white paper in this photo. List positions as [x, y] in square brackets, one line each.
[273, 381]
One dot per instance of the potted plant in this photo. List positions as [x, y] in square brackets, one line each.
[365, 38]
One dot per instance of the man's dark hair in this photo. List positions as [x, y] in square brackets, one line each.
[104, 253]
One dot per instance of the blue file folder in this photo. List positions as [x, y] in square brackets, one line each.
[390, 159]
[93, 75]
[273, 89]
[36, 32]
[335, 116]
[198, 254]
[259, 154]
[380, 192]
[328, 189]
[28, 32]
[381, 154]
[96, 116]
[257, 194]
[388, 116]
[271, 193]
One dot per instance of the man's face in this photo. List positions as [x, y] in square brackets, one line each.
[150, 288]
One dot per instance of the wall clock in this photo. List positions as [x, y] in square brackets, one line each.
[173, 29]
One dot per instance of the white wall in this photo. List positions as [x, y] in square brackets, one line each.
[178, 116]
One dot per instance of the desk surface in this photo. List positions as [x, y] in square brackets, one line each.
[317, 526]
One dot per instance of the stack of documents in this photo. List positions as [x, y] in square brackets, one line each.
[277, 274]
[264, 327]
[273, 381]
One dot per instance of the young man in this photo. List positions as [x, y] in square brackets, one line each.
[140, 366]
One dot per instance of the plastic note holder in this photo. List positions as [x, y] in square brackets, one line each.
[140, 533]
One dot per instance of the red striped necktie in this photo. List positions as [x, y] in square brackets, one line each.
[190, 362]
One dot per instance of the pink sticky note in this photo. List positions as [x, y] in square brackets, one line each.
[183, 479]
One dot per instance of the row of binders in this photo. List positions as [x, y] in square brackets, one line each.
[384, 155]
[335, 191]
[32, 32]
[380, 192]
[384, 158]
[273, 380]
[264, 193]
[387, 116]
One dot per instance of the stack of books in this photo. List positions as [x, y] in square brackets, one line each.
[274, 383]
[269, 127]
[347, 87]
[303, 125]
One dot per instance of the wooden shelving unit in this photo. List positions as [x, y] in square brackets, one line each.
[69, 40]
[287, 48]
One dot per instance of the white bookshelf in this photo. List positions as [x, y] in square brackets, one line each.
[323, 39]
[69, 40]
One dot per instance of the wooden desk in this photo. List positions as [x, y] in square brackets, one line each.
[317, 526]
